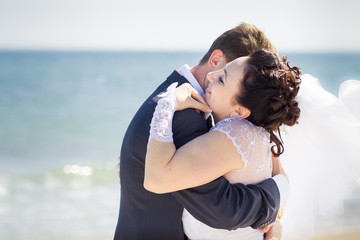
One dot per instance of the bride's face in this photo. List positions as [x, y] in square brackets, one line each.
[223, 86]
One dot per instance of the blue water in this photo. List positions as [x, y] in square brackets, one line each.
[63, 116]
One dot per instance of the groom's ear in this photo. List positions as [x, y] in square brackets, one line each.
[217, 60]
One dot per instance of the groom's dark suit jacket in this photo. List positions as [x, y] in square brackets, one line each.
[219, 204]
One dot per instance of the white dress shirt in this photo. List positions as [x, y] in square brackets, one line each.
[186, 73]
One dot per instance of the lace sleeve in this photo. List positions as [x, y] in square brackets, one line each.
[242, 133]
[161, 123]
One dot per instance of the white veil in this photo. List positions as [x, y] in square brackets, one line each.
[322, 155]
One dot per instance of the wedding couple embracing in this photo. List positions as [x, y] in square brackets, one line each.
[200, 158]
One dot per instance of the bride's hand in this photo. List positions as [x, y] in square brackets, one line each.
[188, 97]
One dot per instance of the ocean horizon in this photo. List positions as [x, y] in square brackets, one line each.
[63, 117]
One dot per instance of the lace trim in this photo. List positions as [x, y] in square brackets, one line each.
[161, 123]
[241, 133]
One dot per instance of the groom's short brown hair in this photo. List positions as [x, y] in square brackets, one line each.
[240, 41]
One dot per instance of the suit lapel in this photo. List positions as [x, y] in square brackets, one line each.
[176, 77]
[210, 122]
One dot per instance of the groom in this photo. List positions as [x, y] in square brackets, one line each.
[219, 204]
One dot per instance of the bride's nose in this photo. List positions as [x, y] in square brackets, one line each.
[211, 77]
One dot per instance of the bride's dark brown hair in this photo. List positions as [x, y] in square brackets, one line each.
[268, 90]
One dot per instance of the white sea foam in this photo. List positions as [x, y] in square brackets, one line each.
[78, 170]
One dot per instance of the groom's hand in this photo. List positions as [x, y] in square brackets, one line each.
[118, 168]
[272, 231]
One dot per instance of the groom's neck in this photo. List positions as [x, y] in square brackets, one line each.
[200, 72]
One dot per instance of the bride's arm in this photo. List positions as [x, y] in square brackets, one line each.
[196, 163]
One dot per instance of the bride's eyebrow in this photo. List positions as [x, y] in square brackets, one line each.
[225, 73]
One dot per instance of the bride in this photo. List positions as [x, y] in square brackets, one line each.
[321, 157]
[250, 99]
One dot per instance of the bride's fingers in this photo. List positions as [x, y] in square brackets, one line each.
[188, 97]
[197, 96]
[198, 105]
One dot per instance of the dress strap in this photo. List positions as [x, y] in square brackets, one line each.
[242, 134]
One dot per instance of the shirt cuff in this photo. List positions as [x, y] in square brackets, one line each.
[284, 189]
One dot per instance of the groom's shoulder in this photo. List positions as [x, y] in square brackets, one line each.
[149, 104]
[162, 87]
[172, 78]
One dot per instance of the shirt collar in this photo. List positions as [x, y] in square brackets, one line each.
[186, 73]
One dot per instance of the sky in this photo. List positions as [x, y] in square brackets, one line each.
[188, 25]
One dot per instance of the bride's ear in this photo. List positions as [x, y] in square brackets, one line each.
[217, 58]
[241, 112]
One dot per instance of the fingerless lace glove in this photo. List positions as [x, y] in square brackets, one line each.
[161, 123]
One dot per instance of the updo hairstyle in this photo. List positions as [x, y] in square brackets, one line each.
[268, 90]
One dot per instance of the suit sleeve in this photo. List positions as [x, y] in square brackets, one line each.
[220, 204]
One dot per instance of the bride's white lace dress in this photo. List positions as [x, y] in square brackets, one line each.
[322, 159]
[322, 155]
[253, 145]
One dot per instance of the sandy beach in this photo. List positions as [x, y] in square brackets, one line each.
[342, 236]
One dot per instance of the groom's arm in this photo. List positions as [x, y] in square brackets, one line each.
[220, 204]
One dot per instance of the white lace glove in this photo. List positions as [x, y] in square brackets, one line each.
[161, 123]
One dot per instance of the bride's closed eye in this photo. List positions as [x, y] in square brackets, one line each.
[221, 79]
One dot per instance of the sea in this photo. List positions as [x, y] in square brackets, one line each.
[63, 115]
